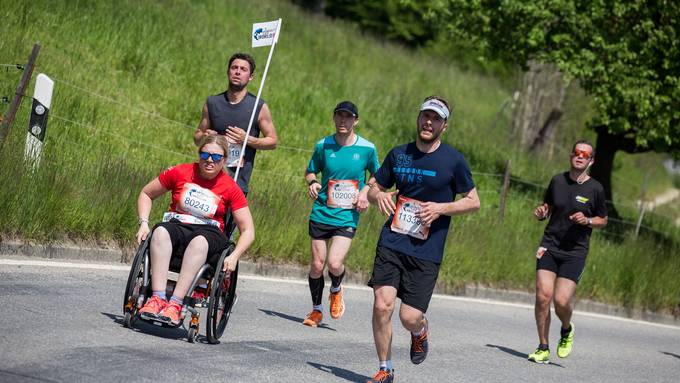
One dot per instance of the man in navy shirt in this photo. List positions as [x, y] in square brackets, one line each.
[575, 204]
[428, 174]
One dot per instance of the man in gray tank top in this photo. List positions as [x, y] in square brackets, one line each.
[228, 113]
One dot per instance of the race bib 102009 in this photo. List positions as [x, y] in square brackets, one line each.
[341, 193]
[405, 220]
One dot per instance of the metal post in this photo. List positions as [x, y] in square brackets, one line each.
[16, 102]
[641, 211]
[504, 190]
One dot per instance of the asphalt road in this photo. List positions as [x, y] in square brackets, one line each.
[62, 323]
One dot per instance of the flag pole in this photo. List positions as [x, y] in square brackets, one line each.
[257, 99]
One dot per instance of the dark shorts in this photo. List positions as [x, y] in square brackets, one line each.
[322, 231]
[182, 233]
[565, 266]
[413, 278]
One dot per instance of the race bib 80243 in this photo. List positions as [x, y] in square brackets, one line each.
[198, 201]
[341, 193]
[405, 220]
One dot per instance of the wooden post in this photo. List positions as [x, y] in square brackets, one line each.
[504, 190]
[641, 211]
[16, 101]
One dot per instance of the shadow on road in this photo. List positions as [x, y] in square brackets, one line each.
[13, 377]
[670, 354]
[517, 353]
[147, 328]
[340, 372]
[293, 318]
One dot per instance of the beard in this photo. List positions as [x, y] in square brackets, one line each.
[435, 137]
[236, 87]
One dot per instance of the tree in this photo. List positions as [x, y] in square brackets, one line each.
[625, 55]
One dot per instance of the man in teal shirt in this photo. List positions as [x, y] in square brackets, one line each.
[342, 159]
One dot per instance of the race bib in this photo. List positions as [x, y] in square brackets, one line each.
[341, 193]
[197, 201]
[405, 220]
[234, 159]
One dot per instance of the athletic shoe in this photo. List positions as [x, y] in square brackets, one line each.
[419, 346]
[313, 319]
[540, 356]
[383, 376]
[565, 344]
[337, 304]
[171, 313]
[153, 307]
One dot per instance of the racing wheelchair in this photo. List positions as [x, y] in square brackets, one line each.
[221, 291]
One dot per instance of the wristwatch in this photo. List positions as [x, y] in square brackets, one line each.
[142, 220]
[310, 183]
[590, 221]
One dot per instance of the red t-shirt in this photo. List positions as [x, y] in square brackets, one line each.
[204, 199]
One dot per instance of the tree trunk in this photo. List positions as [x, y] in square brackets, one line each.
[606, 146]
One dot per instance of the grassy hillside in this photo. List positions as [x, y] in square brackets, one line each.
[131, 79]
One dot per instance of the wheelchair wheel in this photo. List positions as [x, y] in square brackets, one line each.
[222, 297]
[135, 284]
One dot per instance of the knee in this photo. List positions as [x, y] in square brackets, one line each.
[160, 235]
[543, 297]
[410, 319]
[562, 301]
[382, 308]
[317, 266]
[335, 267]
[198, 245]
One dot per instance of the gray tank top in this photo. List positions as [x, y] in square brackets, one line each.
[223, 114]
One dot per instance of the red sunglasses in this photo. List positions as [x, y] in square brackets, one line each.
[581, 153]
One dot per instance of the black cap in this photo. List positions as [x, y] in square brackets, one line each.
[347, 106]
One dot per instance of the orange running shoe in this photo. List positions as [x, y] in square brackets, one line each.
[383, 376]
[153, 307]
[313, 319]
[171, 313]
[337, 304]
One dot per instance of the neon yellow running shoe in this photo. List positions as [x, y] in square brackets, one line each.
[540, 356]
[565, 344]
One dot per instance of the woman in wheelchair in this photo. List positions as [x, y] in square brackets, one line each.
[193, 227]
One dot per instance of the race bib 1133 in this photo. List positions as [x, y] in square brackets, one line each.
[405, 220]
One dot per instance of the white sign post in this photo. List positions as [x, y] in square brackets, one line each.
[37, 125]
[264, 34]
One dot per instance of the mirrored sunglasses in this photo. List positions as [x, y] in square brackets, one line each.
[582, 154]
[216, 157]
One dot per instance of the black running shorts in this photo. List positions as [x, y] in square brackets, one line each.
[413, 278]
[565, 266]
[182, 233]
[322, 231]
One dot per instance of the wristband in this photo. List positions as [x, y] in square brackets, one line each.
[142, 220]
[310, 183]
[590, 221]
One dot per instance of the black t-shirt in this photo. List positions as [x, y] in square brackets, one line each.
[566, 197]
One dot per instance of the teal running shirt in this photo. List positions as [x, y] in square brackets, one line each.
[341, 163]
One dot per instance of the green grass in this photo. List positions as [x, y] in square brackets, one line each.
[167, 57]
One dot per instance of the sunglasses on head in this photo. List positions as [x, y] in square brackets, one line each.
[216, 157]
[582, 153]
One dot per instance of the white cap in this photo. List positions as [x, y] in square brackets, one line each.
[436, 106]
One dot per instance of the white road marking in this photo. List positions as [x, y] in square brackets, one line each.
[99, 266]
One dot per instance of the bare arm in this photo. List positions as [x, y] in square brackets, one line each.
[378, 195]
[246, 228]
[430, 211]
[204, 127]
[314, 187]
[266, 142]
[151, 191]
[595, 222]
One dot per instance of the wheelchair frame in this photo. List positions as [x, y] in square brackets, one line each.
[221, 293]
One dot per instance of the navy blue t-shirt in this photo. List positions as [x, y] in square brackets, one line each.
[427, 177]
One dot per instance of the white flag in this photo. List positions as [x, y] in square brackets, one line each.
[265, 34]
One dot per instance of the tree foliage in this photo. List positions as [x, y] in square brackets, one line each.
[625, 54]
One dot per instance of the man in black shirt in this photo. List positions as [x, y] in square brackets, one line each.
[575, 204]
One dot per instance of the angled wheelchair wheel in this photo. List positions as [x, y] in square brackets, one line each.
[135, 284]
[222, 298]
